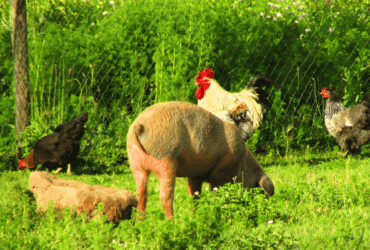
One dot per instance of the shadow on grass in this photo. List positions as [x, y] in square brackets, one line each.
[313, 160]
[89, 168]
[83, 168]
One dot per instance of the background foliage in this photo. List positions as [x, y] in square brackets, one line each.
[116, 58]
[113, 59]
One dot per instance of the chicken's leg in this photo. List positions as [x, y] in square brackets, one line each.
[69, 171]
[343, 154]
[58, 170]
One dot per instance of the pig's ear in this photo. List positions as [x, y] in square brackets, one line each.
[267, 185]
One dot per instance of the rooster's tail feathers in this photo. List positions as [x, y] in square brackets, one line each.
[256, 83]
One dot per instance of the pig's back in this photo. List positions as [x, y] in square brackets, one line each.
[171, 127]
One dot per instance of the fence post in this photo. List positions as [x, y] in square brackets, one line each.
[20, 62]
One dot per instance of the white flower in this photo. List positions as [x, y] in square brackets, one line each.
[307, 30]
[105, 13]
[278, 15]
[92, 24]
[278, 6]
[274, 19]
[286, 8]
[337, 13]
[262, 14]
[293, 12]
[296, 22]
[331, 30]
[196, 193]
[215, 189]
[303, 14]
[269, 4]
[226, 195]
[301, 7]
[206, 189]
[270, 222]
[111, 2]
[268, 17]
[294, 3]
[301, 36]
[126, 245]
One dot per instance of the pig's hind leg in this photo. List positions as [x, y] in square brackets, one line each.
[141, 178]
[166, 171]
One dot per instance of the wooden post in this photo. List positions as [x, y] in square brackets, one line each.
[20, 61]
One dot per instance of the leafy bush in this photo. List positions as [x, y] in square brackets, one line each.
[117, 58]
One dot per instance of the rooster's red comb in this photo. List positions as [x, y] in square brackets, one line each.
[206, 73]
[323, 91]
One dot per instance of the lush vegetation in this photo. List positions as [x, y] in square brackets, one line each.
[114, 59]
[321, 202]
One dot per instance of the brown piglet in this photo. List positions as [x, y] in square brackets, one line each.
[179, 139]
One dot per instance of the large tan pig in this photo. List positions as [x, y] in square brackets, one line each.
[179, 139]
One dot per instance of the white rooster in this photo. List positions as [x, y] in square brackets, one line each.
[241, 109]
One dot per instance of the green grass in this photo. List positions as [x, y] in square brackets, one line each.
[321, 202]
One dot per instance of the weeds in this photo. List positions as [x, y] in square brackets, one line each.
[319, 203]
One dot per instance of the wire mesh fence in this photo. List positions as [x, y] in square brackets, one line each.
[115, 58]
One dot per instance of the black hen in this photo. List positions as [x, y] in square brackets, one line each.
[60, 148]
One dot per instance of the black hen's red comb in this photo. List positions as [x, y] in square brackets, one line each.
[21, 164]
